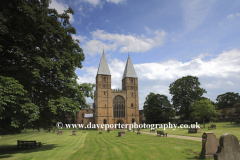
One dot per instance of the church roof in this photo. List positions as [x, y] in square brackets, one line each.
[103, 66]
[129, 70]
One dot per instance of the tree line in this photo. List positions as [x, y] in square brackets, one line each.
[188, 102]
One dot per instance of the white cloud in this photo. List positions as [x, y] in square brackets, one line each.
[80, 9]
[148, 30]
[195, 12]
[89, 24]
[116, 1]
[99, 3]
[116, 68]
[123, 43]
[231, 22]
[225, 65]
[79, 37]
[60, 7]
[107, 20]
[220, 73]
[201, 56]
[93, 2]
[231, 16]
[230, 83]
[90, 75]
[95, 47]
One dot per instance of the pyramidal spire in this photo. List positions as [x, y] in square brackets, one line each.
[103, 66]
[129, 70]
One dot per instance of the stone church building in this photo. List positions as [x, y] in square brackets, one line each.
[113, 106]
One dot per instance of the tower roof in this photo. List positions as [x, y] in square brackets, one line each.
[103, 66]
[129, 70]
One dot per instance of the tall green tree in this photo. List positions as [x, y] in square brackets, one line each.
[227, 100]
[204, 109]
[157, 108]
[185, 91]
[37, 50]
[230, 113]
[237, 112]
[16, 108]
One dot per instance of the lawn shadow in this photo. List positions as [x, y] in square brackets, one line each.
[195, 157]
[6, 151]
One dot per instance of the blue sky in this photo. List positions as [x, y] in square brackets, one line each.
[166, 40]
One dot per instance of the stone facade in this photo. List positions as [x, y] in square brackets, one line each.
[82, 119]
[113, 106]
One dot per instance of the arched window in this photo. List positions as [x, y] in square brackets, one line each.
[83, 115]
[104, 79]
[133, 120]
[82, 120]
[131, 81]
[131, 104]
[105, 121]
[87, 110]
[105, 105]
[132, 94]
[118, 107]
[132, 114]
[104, 92]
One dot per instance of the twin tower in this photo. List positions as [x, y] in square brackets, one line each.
[114, 106]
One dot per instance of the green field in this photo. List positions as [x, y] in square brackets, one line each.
[222, 128]
[92, 145]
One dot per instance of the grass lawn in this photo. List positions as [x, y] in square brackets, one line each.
[222, 128]
[92, 145]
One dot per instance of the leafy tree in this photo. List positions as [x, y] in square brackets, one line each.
[157, 108]
[227, 100]
[203, 109]
[185, 91]
[38, 51]
[237, 111]
[203, 98]
[16, 109]
[230, 113]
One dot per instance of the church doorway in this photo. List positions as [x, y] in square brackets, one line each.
[119, 123]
